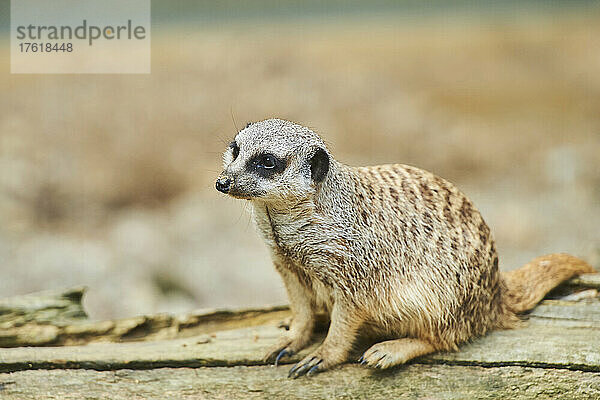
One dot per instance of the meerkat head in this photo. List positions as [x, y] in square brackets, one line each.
[274, 161]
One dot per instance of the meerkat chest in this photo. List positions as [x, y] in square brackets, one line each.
[292, 239]
[283, 232]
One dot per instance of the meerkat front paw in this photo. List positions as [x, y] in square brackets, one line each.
[318, 361]
[286, 347]
[298, 337]
[283, 348]
[307, 366]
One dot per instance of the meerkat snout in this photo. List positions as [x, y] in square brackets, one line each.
[223, 184]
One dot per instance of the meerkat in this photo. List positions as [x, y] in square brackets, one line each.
[388, 251]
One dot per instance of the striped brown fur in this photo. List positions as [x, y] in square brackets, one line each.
[389, 251]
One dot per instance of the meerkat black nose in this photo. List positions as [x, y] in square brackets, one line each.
[223, 184]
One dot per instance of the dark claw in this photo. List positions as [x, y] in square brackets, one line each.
[378, 365]
[302, 371]
[363, 360]
[314, 368]
[282, 353]
[298, 371]
[294, 368]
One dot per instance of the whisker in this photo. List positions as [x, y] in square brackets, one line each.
[233, 119]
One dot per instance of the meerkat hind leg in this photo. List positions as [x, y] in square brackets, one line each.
[395, 352]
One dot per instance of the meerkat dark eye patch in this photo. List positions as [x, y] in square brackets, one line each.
[235, 149]
[319, 165]
[266, 165]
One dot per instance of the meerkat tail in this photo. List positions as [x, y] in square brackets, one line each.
[528, 285]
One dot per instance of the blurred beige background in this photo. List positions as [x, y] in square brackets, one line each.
[107, 180]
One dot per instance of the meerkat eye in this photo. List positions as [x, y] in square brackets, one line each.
[235, 149]
[266, 165]
[266, 161]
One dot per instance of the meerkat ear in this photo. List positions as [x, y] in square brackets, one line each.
[319, 165]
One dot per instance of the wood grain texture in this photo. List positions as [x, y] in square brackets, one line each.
[555, 354]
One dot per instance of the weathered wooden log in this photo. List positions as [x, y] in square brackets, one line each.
[140, 328]
[218, 354]
[547, 360]
[56, 307]
[58, 318]
[587, 280]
